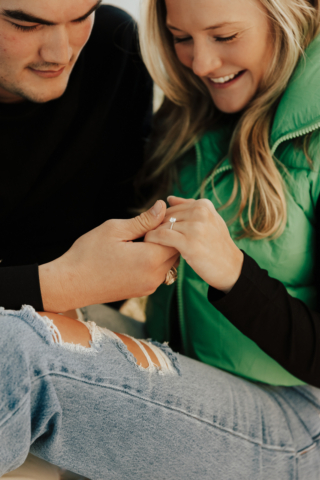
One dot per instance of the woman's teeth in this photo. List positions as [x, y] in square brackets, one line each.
[223, 79]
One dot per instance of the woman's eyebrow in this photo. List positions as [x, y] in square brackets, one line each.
[22, 16]
[207, 28]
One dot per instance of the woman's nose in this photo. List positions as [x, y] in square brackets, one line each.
[205, 60]
[56, 48]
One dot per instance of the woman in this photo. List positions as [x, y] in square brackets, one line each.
[239, 126]
[102, 415]
[242, 116]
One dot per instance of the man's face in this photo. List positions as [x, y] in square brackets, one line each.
[40, 42]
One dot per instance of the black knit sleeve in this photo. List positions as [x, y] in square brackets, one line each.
[20, 286]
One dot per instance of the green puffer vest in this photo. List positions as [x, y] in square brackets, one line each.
[206, 334]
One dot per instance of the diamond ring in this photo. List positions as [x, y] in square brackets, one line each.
[172, 221]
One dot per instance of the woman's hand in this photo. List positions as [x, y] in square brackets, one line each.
[203, 239]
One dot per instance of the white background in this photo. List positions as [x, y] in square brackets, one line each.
[131, 6]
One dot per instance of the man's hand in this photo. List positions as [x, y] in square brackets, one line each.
[104, 265]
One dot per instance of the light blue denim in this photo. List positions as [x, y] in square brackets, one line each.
[100, 415]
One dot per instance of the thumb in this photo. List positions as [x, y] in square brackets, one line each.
[173, 201]
[137, 227]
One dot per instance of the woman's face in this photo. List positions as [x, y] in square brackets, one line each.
[226, 43]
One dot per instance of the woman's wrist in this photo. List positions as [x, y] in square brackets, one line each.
[235, 272]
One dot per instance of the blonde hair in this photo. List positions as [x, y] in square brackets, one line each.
[188, 111]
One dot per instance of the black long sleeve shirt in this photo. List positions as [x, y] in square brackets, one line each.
[67, 165]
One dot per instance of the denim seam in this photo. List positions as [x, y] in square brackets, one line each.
[111, 387]
[9, 416]
[307, 449]
[306, 396]
[300, 419]
[275, 399]
[316, 441]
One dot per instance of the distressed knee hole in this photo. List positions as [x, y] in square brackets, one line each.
[148, 356]
[77, 335]
[142, 353]
[67, 331]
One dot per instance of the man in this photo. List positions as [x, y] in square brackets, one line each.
[75, 102]
[75, 106]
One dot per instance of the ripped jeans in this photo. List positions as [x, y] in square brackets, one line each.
[97, 413]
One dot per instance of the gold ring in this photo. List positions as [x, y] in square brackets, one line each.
[171, 276]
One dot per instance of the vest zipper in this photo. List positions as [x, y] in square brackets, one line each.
[181, 305]
[291, 136]
[209, 179]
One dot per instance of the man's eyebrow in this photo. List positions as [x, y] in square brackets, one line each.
[214, 27]
[93, 9]
[22, 16]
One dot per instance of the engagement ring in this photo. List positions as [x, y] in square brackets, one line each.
[172, 221]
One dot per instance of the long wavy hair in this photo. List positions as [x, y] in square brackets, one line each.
[187, 112]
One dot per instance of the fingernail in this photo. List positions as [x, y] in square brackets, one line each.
[156, 209]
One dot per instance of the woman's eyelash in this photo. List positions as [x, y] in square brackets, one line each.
[23, 28]
[226, 39]
[180, 40]
[218, 39]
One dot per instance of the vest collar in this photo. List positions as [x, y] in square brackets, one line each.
[298, 112]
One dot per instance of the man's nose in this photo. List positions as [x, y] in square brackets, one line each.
[56, 48]
[205, 59]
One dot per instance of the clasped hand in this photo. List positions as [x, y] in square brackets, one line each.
[105, 265]
[203, 239]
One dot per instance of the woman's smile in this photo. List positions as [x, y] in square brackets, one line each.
[226, 81]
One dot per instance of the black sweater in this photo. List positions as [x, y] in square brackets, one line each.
[67, 165]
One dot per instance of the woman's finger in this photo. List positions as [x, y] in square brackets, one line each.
[200, 213]
[200, 205]
[173, 201]
[178, 208]
[166, 238]
[179, 217]
[182, 212]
